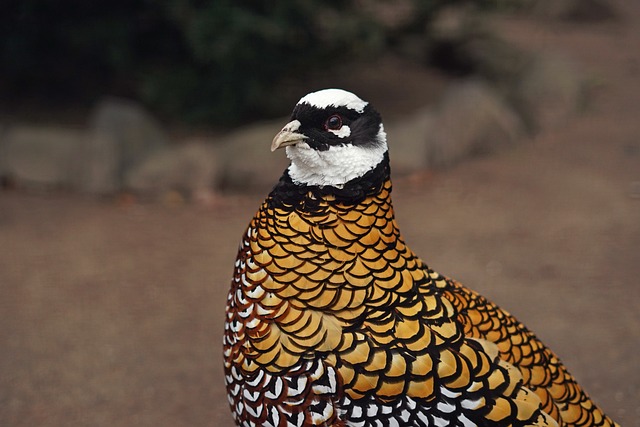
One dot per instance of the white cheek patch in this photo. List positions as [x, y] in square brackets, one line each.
[343, 132]
[337, 165]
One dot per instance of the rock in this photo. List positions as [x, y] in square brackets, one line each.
[550, 89]
[497, 60]
[36, 157]
[545, 88]
[122, 135]
[471, 119]
[408, 141]
[246, 160]
[189, 168]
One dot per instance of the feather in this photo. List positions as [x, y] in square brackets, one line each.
[332, 320]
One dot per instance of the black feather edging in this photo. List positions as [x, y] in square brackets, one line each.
[289, 195]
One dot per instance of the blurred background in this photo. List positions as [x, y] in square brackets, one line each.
[134, 149]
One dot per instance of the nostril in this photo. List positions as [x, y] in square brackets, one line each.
[292, 126]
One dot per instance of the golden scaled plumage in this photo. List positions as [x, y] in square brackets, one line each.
[337, 286]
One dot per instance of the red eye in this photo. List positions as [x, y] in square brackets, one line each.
[333, 123]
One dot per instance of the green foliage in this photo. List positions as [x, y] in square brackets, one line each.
[237, 50]
[204, 61]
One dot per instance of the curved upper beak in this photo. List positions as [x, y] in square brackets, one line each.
[289, 135]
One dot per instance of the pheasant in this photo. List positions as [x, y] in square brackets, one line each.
[332, 320]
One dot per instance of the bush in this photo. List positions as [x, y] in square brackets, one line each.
[200, 61]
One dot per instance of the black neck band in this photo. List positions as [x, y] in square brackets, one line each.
[289, 195]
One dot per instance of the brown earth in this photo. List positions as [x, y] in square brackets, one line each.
[112, 313]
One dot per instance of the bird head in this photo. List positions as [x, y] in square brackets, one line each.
[333, 137]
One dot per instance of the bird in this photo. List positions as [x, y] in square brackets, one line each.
[332, 320]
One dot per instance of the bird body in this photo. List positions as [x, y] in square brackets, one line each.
[333, 321]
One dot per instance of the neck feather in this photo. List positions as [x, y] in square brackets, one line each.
[294, 195]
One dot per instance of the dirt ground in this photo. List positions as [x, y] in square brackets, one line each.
[112, 314]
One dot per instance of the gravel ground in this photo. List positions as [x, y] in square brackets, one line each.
[112, 313]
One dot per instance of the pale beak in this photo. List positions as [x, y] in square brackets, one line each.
[288, 136]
